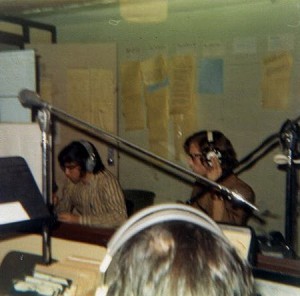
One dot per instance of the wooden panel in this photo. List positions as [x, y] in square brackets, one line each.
[57, 62]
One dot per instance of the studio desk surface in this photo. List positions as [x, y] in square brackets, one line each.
[101, 236]
[93, 241]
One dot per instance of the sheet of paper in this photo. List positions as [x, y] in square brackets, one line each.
[132, 93]
[12, 212]
[158, 120]
[276, 81]
[131, 80]
[182, 77]
[158, 111]
[103, 104]
[23, 139]
[90, 97]
[134, 112]
[154, 70]
[210, 76]
[78, 93]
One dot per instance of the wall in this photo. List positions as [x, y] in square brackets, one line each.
[269, 26]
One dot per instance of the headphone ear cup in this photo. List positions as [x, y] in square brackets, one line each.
[212, 151]
[90, 164]
[210, 155]
[213, 154]
[91, 160]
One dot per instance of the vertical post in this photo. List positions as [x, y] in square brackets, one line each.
[44, 122]
[291, 207]
[290, 139]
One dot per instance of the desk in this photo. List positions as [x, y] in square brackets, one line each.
[69, 239]
[16, 265]
[81, 233]
[60, 248]
[18, 256]
[280, 265]
[100, 236]
[83, 274]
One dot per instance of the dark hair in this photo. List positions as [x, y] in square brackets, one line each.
[220, 143]
[178, 258]
[77, 153]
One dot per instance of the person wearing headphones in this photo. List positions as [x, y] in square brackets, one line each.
[172, 249]
[211, 155]
[92, 195]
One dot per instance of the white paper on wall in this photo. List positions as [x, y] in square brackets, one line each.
[17, 71]
[23, 139]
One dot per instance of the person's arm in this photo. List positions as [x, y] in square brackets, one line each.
[237, 214]
[63, 203]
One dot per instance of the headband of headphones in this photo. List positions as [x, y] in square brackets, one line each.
[210, 136]
[154, 215]
[91, 160]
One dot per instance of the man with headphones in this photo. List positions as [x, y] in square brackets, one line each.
[92, 195]
[212, 156]
[172, 249]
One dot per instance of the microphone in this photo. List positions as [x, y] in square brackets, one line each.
[29, 98]
[239, 199]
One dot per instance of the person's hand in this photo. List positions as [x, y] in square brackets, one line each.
[214, 171]
[68, 218]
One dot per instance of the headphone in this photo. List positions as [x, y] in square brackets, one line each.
[211, 151]
[150, 216]
[91, 160]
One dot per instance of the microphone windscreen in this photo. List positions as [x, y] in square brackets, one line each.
[29, 98]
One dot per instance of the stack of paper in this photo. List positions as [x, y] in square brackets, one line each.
[83, 272]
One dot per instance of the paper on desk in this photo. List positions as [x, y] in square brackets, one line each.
[83, 273]
[12, 212]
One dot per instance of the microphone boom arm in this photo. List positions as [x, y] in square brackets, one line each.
[60, 114]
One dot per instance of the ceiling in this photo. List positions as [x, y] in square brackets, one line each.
[25, 7]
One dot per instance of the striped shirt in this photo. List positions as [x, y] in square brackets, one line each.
[100, 202]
